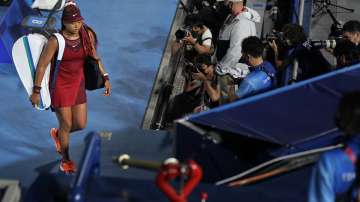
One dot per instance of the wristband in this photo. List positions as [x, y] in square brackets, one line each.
[36, 89]
[106, 77]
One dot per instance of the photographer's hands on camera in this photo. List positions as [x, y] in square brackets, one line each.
[274, 47]
[199, 76]
[190, 39]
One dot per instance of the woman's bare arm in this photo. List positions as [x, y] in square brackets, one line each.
[101, 65]
[45, 58]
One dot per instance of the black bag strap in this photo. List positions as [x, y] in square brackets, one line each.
[61, 48]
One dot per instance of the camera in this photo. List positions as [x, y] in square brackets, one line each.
[192, 67]
[278, 37]
[319, 44]
[181, 33]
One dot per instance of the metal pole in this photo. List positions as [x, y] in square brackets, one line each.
[294, 71]
[301, 12]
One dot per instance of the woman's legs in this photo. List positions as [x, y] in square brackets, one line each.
[79, 117]
[70, 119]
[64, 117]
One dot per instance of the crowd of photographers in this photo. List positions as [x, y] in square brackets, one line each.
[225, 60]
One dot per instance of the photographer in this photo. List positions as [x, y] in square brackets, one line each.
[202, 39]
[199, 94]
[208, 78]
[311, 61]
[346, 53]
[351, 31]
[262, 76]
[197, 39]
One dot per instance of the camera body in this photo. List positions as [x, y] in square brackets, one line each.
[181, 33]
[276, 36]
[193, 67]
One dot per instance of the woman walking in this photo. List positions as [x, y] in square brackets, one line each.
[68, 96]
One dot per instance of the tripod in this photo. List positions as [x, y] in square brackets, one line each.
[322, 6]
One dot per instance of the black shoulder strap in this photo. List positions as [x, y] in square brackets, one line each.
[202, 40]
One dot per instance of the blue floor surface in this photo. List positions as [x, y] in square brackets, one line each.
[132, 35]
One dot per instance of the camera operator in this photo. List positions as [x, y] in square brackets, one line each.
[262, 76]
[311, 61]
[237, 26]
[351, 31]
[346, 53]
[208, 77]
[202, 39]
[197, 38]
[201, 93]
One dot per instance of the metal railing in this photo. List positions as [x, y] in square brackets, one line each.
[170, 65]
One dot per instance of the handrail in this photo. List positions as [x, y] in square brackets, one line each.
[163, 86]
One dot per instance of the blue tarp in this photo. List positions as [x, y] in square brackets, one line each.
[300, 114]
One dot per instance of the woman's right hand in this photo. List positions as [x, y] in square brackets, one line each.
[35, 99]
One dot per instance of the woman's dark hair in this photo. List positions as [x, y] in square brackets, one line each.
[348, 114]
[84, 35]
[253, 46]
[295, 33]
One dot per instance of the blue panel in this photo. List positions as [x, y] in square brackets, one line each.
[289, 115]
[4, 55]
[306, 15]
[295, 11]
[89, 168]
[10, 27]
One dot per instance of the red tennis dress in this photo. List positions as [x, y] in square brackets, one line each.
[69, 88]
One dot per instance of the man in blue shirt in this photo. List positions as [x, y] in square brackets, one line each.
[262, 73]
[334, 178]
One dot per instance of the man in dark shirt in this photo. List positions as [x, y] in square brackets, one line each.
[262, 76]
[346, 53]
[351, 31]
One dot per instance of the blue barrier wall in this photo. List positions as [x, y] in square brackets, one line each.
[10, 27]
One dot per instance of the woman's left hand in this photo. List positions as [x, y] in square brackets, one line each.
[107, 88]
